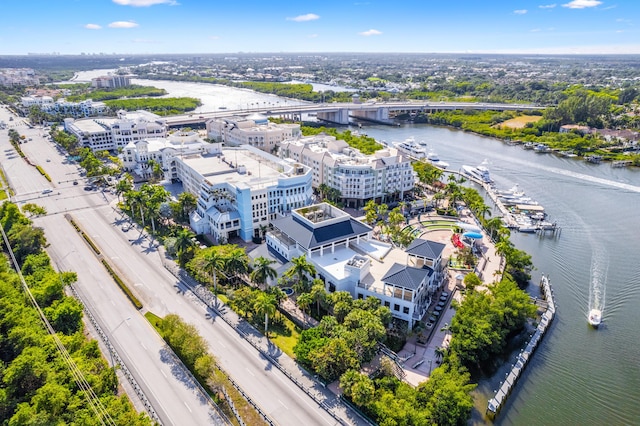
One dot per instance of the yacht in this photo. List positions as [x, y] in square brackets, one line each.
[411, 148]
[433, 158]
[481, 173]
[515, 191]
[595, 317]
[542, 148]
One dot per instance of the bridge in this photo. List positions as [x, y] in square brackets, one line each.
[339, 113]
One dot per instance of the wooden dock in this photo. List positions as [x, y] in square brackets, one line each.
[500, 397]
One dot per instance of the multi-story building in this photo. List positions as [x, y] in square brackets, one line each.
[240, 190]
[255, 130]
[137, 157]
[111, 81]
[358, 177]
[86, 108]
[111, 134]
[347, 258]
[18, 77]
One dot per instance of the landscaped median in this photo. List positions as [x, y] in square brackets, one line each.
[106, 264]
[43, 173]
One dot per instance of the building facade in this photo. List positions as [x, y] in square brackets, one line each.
[347, 258]
[240, 190]
[110, 81]
[358, 177]
[111, 134]
[137, 157]
[255, 130]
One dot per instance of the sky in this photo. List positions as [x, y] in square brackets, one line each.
[230, 26]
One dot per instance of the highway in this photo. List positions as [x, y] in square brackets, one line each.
[139, 264]
[175, 399]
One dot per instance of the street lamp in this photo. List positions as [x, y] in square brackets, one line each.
[430, 367]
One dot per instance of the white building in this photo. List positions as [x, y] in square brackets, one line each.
[108, 133]
[358, 177]
[44, 102]
[255, 130]
[111, 81]
[347, 258]
[18, 77]
[241, 190]
[137, 155]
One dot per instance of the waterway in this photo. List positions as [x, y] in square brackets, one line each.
[578, 375]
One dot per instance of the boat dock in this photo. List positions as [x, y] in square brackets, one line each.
[500, 397]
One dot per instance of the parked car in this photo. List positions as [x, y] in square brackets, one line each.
[47, 191]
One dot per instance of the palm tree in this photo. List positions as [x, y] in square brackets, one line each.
[300, 269]
[318, 293]
[263, 271]
[213, 263]
[265, 304]
[184, 245]
[124, 185]
[304, 301]
[440, 352]
[236, 262]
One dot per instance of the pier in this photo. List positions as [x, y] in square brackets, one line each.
[500, 397]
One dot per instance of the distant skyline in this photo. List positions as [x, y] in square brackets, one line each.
[412, 26]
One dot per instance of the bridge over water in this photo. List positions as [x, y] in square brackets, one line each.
[339, 113]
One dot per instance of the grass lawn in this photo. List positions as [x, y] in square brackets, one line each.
[154, 320]
[520, 122]
[285, 335]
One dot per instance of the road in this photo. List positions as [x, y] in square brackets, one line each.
[173, 396]
[139, 264]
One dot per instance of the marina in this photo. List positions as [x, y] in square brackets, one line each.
[506, 387]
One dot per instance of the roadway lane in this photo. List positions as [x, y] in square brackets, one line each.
[162, 293]
[172, 395]
[176, 400]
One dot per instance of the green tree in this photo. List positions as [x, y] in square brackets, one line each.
[34, 209]
[318, 293]
[263, 271]
[265, 304]
[333, 359]
[188, 203]
[185, 245]
[300, 269]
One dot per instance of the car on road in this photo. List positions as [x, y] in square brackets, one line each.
[48, 160]
[47, 191]
[75, 182]
[88, 188]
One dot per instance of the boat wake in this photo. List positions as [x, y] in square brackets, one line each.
[597, 288]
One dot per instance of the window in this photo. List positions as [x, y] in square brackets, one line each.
[405, 310]
[396, 307]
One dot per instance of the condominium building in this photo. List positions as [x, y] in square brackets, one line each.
[240, 190]
[137, 157]
[347, 258]
[255, 130]
[18, 77]
[358, 177]
[111, 81]
[86, 108]
[111, 134]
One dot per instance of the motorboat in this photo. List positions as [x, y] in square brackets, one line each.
[542, 148]
[480, 172]
[434, 159]
[514, 191]
[595, 317]
[411, 148]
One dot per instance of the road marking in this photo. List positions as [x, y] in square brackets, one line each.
[185, 404]
[142, 344]
[283, 404]
[249, 371]
[165, 376]
[113, 303]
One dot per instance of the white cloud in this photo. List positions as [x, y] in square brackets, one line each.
[123, 24]
[145, 3]
[520, 11]
[582, 4]
[304, 18]
[370, 33]
[547, 6]
[93, 27]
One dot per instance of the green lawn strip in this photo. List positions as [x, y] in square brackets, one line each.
[285, 335]
[43, 173]
[248, 414]
[122, 285]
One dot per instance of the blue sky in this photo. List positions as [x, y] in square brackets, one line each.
[225, 26]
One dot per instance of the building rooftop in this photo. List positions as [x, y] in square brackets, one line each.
[244, 167]
[406, 276]
[425, 248]
[95, 125]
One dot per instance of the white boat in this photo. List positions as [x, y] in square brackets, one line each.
[411, 148]
[434, 159]
[515, 191]
[481, 173]
[595, 317]
[542, 148]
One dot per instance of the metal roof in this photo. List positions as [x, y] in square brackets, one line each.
[311, 238]
[406, 276]
[425, 248]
